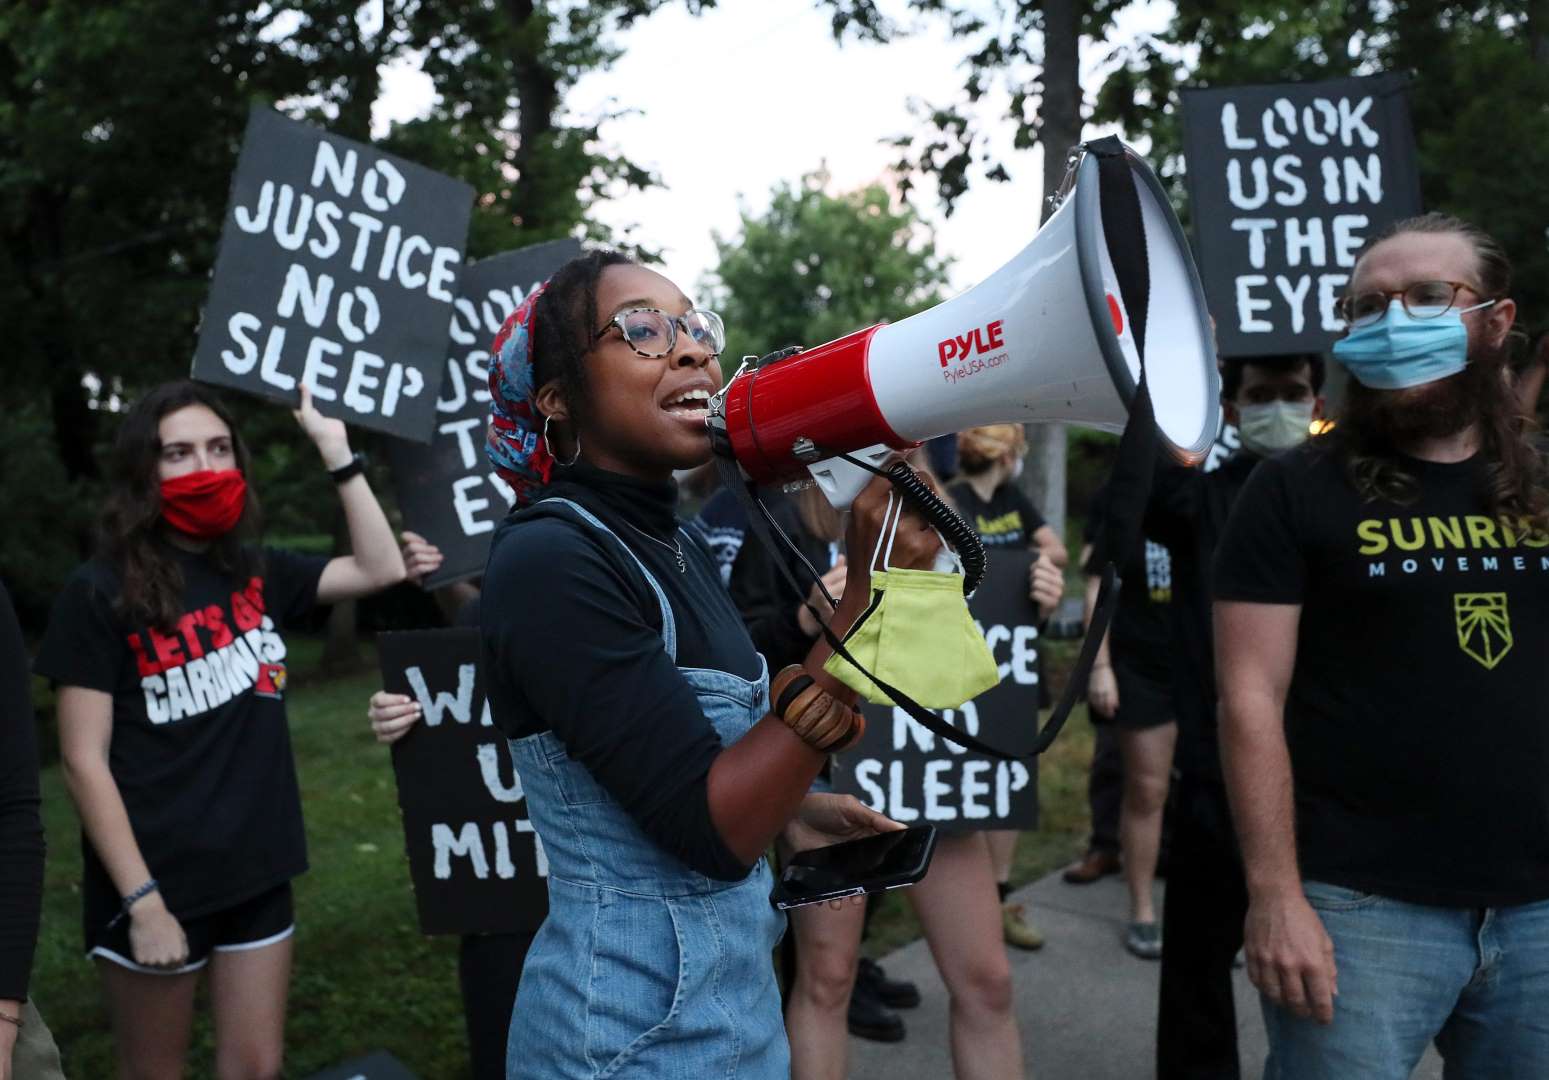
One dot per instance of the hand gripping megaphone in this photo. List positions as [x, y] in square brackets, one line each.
[1049, 337]
[1099, 321]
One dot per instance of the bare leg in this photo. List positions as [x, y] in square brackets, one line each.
[248, 988]
[827, 947]
[1003, 848]
[960, 912]
[1148, 758]
[153, 1017]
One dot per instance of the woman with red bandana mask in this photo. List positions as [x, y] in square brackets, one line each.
[167, 655]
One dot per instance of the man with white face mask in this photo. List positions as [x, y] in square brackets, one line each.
[1272, 400]
[1382, 622]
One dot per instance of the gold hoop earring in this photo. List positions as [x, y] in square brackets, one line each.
[550, 446]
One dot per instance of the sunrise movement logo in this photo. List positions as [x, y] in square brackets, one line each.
[1484, 626]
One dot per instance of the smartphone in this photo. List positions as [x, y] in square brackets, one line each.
[871, 864]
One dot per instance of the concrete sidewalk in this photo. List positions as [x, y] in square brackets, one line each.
[1087, 1008]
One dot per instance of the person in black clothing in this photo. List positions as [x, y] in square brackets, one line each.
[657, 761]
[22, 1034]
[1382, 608]
[991, 459]
[170, 666]
[1205, 900]
[1130, 691]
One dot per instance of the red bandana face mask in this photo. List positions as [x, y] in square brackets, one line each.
[205, 505]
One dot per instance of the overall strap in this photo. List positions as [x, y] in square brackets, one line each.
[669, 626]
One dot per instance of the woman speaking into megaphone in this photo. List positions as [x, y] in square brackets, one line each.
[658, 755]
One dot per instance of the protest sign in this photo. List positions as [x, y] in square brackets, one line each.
[337, 270]
[1286, 181]
[477, 865]
[449, 492]
[913, 776]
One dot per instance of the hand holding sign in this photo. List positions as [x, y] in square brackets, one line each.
[392, 716]
[330, 436]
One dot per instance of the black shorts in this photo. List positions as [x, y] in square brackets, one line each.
[262, 920]
[1145, 699]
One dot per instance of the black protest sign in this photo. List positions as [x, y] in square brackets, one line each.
[1286, 182]
[449, 492]
[913, 776]
[377, 1066]
[477, 865]
[337, 270]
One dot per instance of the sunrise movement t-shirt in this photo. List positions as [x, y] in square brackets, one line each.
[200, 748]
[1418, 712]
[1009, 519]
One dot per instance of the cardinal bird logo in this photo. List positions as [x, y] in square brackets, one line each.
[271, 681]
[1484, 626]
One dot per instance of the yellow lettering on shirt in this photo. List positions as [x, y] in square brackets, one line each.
[1009, 522]
[1370, 530]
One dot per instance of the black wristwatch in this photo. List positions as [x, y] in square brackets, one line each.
[356, 466]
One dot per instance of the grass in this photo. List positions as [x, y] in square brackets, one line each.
[365, 978]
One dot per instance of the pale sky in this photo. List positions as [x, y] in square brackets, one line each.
[756, 92]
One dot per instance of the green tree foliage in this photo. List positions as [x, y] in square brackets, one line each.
[815, 266]
[120, 125]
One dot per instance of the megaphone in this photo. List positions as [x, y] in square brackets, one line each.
[1046, 338]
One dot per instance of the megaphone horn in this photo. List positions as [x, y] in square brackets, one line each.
[1047, 338]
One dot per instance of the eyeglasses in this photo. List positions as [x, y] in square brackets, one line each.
[653, 333]
[1423, 300]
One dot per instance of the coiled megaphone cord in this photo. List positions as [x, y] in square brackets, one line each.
[958, 533]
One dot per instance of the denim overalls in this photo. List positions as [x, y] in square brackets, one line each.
[644, 968]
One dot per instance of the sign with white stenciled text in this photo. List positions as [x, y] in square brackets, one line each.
[449, 492]
[1286, 182]
[913, 776]
[476, 863]
[337, 270]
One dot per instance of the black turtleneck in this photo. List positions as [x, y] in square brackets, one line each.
[572, 643]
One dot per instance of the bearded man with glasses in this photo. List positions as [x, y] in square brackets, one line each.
[1381, 628]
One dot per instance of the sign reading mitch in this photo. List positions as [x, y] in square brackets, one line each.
[1286, 182]
[449, 493]
[911, 775]
[477, 865]
[337, 270]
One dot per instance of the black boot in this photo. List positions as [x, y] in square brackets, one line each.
[870, 1019]
[894, 993]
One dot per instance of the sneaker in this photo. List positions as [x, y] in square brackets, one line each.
[870, 1019]
[894, 993]
[1144, 939]
[1018, 931]
[1093, 865]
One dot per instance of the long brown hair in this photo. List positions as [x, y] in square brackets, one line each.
[132, 537]
[1518, 483]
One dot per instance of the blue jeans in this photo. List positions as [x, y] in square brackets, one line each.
[1475, 980]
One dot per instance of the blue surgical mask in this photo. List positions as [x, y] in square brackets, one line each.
[1399, 350]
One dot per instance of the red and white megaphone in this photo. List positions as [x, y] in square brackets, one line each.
[1046, 338]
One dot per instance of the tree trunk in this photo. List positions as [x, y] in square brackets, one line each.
[1538, 31]
[1060, 119]
[537, 100]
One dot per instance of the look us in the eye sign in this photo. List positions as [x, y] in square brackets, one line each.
[337, 270]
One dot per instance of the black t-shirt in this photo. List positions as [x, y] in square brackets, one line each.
[1418, 712]
[200, 749]
[1139, 634]
[1009, 519]
[572, 644]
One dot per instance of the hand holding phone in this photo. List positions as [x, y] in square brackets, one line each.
[888, 860]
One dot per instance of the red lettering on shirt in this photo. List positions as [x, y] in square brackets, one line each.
[168, 652]
[186, 626]
[142, 661]
[215, 623]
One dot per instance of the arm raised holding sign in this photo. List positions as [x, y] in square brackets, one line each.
[374, 562]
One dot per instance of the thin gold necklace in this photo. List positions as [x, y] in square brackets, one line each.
[674, 547]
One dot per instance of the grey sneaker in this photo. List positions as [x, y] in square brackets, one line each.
[1144, 939]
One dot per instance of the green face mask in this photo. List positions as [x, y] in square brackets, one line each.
[917, 636]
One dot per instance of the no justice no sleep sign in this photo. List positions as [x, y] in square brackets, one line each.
[338, 268]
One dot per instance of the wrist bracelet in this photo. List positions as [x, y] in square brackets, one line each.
[9, 1019]
[129, 901]
[349, 471]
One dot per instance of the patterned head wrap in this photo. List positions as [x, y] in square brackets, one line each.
[514, 442]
